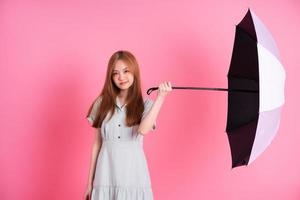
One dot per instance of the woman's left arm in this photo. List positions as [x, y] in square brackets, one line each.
[149, 120]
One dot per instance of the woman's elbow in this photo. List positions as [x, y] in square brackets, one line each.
[143, 131]
[145, 128]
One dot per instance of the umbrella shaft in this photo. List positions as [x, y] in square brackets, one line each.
[205, 88]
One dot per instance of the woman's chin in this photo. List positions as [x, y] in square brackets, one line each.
[123, 88]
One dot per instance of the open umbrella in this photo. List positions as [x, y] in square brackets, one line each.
[255, 91]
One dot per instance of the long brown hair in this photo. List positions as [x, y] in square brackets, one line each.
[134, 100]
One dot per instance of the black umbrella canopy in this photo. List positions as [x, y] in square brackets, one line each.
[242, 115]
[253, 118]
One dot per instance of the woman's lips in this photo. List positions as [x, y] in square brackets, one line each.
[123, 83]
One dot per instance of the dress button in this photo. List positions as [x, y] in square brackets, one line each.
[119, 125]
[119, 137]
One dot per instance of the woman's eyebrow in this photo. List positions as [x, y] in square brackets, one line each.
[122, 69]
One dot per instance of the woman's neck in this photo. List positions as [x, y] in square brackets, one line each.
[122, 96]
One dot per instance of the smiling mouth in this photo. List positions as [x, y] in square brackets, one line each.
[123, 83]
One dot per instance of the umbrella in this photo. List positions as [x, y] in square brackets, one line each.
[255, 91]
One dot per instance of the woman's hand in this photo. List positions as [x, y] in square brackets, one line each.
[88, 193]
[164, 88]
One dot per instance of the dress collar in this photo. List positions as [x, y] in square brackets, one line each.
[118, 104]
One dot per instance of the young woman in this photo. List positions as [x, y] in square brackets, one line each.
[118, 168]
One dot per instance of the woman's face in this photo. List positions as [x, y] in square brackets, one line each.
[122, 76]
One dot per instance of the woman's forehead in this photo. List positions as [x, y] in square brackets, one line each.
[120, 65]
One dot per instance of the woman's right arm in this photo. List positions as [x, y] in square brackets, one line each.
[95, 151]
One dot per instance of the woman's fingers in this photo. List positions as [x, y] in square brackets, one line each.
[165, 87]
[169, 85]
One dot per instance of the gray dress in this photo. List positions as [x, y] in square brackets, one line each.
[121, 169]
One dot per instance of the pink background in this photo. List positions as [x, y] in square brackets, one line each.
[53, 58]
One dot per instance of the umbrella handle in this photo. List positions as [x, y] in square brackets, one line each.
[204, 88]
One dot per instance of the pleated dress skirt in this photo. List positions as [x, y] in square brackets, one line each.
[122, 172]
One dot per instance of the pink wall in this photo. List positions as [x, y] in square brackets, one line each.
[53, 58]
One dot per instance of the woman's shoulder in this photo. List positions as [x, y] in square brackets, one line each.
[99, 99]
[148, 102]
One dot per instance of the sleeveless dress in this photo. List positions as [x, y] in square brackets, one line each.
[121, 170]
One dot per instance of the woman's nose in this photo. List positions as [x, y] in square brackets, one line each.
[121, 77]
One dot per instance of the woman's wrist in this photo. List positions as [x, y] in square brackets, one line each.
[160, 97]
[90, 184]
